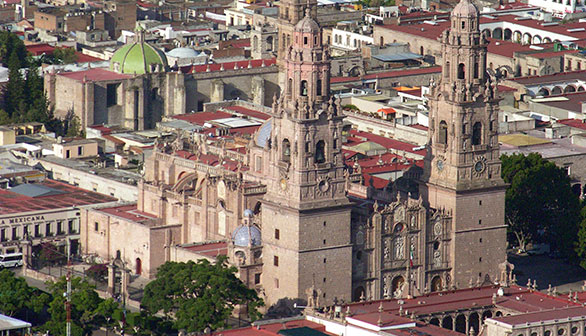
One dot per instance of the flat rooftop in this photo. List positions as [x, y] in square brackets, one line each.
[47, 195]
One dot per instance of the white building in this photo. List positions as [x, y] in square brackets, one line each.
[349, 40]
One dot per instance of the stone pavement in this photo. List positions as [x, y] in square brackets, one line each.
[545, 270]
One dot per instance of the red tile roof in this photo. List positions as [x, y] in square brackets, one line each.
[575, 123]
[209, 249]
[249, 112]
[200, 118]
[553, 78]
[542, 316]
[272, 329]
[95, 75]
[12, 203]
[129, 212]
[40, 49]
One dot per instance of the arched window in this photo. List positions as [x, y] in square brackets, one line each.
[382, 41]
[461, 70]
[443, 133]
[304, 88]
[320, 152]
[269, 43]
[477, 134]
[476, 70]
[315, 40]
[463, 24]
[290, 86]
[255, 42]
[318, 89]
[305, 40]
[286, 150]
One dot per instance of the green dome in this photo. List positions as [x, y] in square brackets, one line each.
[138, 57]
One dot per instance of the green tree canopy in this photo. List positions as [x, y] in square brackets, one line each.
[200, 294]
[64, 56]
[16, 295]
[540, 201]
[84, 307]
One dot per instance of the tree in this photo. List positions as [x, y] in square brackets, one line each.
[16, 295]
[200, 294]
[14, 98]
[84, 305]
[74, 127]
[64, 55]
[540, 202]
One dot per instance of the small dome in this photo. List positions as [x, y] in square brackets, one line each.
[248, 213]
[245, 234]
[307, 24]
[263, 134]
[183, 53]
[138, 57]
[465, 9]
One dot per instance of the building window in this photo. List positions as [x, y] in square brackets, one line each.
[277, 234]
[71, 227]
[80, 150]
[96, 226]
[477, 134]
[59, 227]
[443, 133]
[2, 234]
[48, 230]
[290, 87]
[257, 278]
[15, 233]
[480, 222]
[286, 150]
[461, 71]
[318, 88]
[276, 261]
[67, 154]
[37, 230]
[320, 149]
[276, 283]
[304, 88]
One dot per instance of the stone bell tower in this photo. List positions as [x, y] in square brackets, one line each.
[305, 213]
[462, 168]
[290, 13]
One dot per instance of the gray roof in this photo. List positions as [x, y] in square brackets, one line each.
[10, 323]
[397, 57]
[35, 190]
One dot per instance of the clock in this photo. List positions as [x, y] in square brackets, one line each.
[479, 166]
[323, 185]
[440, 165]
[283, 184]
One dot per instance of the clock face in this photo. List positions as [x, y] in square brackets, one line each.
[479, 166]
[440, 165]
[323, 185]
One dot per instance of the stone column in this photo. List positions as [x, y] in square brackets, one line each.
[26, 255]
[125, 281]
[111, 278]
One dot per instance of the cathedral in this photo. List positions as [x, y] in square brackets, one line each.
[286, 211]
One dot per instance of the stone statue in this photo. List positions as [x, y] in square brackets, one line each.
[400, 248]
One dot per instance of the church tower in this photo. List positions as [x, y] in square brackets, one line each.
[290, 13]
[462, 168]
[305, 213]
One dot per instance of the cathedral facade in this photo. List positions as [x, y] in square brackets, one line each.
[285, 209]
[448, 231]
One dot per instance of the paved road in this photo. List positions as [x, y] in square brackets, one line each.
[546, 270]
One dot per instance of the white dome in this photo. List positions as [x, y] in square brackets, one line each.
[183, 53]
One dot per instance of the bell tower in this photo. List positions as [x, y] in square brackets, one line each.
[290, 13]
[305, 213]
[462, 169]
